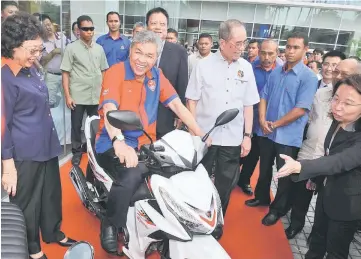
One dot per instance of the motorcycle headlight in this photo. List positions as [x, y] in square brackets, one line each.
[182, 215]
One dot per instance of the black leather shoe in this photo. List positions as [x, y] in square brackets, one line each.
[43, 257]
[270, 219]
[255, 203]
[217, 232]
[67, 243]
[292, 232]
[76, 159]
[108, 237]
[247, 189]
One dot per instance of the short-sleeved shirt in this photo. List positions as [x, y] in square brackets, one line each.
[261, 76]
[115, 50]
[219, 86]
[193, 61]
[284, 91]
[53, 66]
[127, 93]
[29, 132]
[85, 65]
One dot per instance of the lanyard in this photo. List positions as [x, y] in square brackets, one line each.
[332, 138]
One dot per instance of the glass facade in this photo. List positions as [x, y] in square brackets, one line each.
[330, 24]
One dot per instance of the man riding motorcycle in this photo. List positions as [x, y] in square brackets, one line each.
[135, 85]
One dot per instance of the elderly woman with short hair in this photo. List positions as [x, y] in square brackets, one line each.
[30, 145]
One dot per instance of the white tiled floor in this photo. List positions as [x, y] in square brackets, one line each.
[299, 245]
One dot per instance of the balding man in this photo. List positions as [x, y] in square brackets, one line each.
[345, 68]
[218, 83]
[262, 69]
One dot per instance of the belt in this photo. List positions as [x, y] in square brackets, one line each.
[58, 74]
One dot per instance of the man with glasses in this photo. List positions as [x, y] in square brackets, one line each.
[312, 147]
[173, 62]
[329, 62]
[115, 45]
[283, 112]
[218, 83]
[344, 69]
[82, 68]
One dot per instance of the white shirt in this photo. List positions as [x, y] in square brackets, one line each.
[219, 86]
[193, 61]
[160, 54]
[319, 124]
[323, 84]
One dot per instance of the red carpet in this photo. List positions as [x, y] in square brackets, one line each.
[244, 235]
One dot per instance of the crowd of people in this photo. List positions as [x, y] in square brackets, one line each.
[302, 112]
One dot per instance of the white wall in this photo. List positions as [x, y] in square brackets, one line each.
[97, 10]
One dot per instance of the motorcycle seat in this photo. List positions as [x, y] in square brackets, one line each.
[14, 243]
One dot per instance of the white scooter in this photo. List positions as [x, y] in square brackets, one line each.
[177, 208]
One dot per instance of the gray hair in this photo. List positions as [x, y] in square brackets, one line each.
[225, 28]
[147, 37]
[270, 41]
[138, 24]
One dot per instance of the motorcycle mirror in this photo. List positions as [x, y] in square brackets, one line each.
[124, 120]
[80, 250]
[224, 118]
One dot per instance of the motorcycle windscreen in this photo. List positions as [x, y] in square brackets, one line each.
[189, 148]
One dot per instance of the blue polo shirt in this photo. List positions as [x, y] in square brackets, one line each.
[115, 50]
[261, 76]
[284, 91]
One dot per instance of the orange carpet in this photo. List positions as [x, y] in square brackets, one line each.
[244, 235]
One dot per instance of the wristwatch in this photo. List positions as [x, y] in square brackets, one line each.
[119, 137]
[247, 135]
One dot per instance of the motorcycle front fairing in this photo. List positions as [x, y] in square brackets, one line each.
[181, 149]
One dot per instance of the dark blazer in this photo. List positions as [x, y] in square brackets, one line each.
[319, 83]
[174, 64]
[342, 193]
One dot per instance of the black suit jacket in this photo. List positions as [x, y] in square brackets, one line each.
[342, 193]
[174, 64]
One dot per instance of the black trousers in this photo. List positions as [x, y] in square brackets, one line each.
[126, 182]
[331, 236]
[77, 116]
[39, 197]
[249, 162]
[289, 194]
[226, 171]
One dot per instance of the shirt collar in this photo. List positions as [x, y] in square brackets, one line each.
[129, 74]
[219, 55]
[257, 64]
[350, 127]
[198, 55]
[297, 68]
[14, 67]
[86, 45]
[323, 84]
[120, 36]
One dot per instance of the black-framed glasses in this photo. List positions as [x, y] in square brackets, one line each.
[87, 28]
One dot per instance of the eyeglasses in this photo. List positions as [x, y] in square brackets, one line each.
[34, 52]
[336, 73]
[87, 28]
[329, 65]
[240, 44]
[336, 101]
